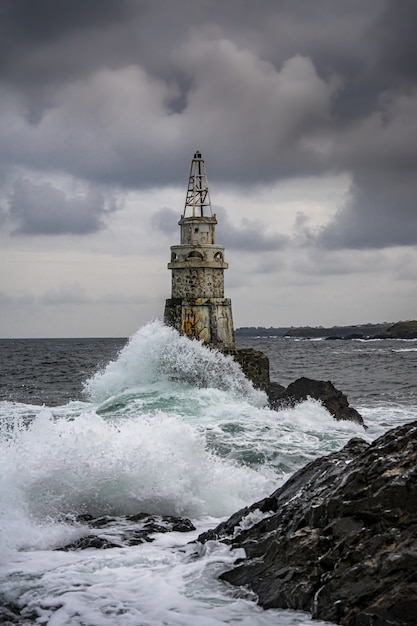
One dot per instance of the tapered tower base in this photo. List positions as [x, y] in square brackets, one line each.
[205, 319]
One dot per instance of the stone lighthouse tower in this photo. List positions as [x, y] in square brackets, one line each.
[197, 306]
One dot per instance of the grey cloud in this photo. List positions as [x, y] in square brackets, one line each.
[381, 212]
[22, 300]
[67, 294]
[381, 152]
[393, 32]
[51, 19]
[249, 236]
[76, 294]
[166, 221]
[28, 27]
[3, 215]
[116, 126]
[41, 209]
[316, 262]
[121, 92]
[383, 140]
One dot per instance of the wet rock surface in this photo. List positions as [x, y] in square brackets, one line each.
[303, 388]
[10, 614]
[131, 530]
[339, 538]
[255, 366]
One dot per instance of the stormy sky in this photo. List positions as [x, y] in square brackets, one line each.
[304, 110]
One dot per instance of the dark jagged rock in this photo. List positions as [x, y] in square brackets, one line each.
[9, 614]
[12, 614]
[254, 364]
[338, 539]
[333, 399]
[89, 541]
[131, 530]
[162, 523]
[275, 391]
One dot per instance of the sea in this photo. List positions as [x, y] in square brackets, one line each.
[163, 425]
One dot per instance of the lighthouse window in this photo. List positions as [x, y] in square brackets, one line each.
[218, 256]
[195, 254]
[196, 230]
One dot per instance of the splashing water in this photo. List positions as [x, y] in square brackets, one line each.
[170, 427]
[158, 355]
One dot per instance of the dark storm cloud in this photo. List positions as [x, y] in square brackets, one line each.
[41, 209]
[381, 153]
[26, 27]
[122, 92]
[395, 43]
[382, 211]
[49, 19]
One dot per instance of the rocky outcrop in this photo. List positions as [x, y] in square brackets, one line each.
[254, 364]
[132, 530]
[338, 539]
[333, 399]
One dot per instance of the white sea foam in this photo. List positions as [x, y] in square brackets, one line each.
[171, 427]
[58, 468]
[405, 350]
[158, 354]
[149, 585]
[55, 467]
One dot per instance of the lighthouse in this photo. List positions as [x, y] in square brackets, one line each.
[197, 307]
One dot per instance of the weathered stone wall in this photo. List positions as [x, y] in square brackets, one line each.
[197, 230]
[208, 320]
[197, 282]
[197, 256]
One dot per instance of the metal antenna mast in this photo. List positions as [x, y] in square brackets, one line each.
[198, 196]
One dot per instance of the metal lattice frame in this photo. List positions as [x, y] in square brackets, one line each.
[198, 196]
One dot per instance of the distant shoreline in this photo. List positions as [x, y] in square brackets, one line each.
[384, 330]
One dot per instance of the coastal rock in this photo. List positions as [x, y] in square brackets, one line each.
[338, 538]
[333, 399]
[130, 530]
[254, 364]
[275, 390]
[9, 615]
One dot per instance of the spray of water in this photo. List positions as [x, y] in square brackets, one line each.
[158, 354]
[115, 455]
[171, 428]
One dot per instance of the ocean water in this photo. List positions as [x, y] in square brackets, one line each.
[162, 425]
